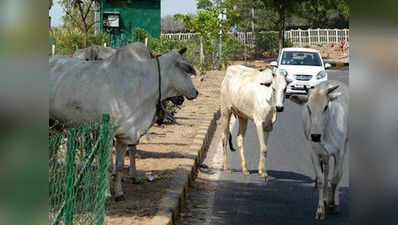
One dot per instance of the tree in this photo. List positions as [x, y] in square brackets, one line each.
[172, 24]
[204, 4]
[282, 8]
[325, 13]
[80, 14]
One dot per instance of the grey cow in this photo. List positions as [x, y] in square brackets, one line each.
[124, 86]
[325, 117]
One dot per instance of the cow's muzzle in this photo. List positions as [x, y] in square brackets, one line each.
[193, 97]
[279, 108]
[316, 137]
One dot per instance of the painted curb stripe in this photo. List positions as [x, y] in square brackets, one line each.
[200, 143]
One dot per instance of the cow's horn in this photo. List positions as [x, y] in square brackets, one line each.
[182, 51]
[331, 89]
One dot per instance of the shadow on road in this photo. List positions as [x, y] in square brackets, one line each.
[288, 198]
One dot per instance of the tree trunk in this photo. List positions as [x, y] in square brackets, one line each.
[85, 38]
[281, 27]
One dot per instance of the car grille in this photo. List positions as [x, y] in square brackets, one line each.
[303, 77]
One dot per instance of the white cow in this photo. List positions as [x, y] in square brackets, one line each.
[254, 95]
[326, 125]
[139, 52]
[124, 86]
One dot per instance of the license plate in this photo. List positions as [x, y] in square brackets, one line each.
[299, 86]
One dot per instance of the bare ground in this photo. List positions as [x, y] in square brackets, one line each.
[164, 152]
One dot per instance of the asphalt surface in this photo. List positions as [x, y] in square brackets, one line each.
[288, 198]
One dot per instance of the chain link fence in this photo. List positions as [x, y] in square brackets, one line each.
[78, 171]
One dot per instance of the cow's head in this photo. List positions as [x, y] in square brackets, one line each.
[279, 85]
[179, 73]
[316, 108]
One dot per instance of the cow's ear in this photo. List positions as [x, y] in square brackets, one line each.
[299, 100]
[187, 68]
[332, 94]
[182, 51]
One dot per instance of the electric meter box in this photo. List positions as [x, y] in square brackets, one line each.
[112, 19]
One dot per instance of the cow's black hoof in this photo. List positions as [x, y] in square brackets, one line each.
[333, 209]
[120, 198]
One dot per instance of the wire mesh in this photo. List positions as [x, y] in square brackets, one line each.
[78, 170]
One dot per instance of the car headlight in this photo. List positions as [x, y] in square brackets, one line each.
[283, 72]
[321, 74]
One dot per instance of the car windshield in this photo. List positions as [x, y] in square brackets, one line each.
[301, 58]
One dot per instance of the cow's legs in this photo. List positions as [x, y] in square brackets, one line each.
[263, 140]
[132, 169]
[316, 146]
[241, 135]
[325, 162]
[225, 119]
[320, 212]
[334, 202]
[121, 149]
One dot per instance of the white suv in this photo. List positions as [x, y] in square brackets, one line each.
[304, 66]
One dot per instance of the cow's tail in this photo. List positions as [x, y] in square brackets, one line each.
[231, 147]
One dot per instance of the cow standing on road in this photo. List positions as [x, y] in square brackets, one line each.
[325, 117]
[254, 95]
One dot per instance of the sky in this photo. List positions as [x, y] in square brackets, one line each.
[168, 7]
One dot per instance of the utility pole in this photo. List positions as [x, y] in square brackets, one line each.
[253, 20]
[221, 17]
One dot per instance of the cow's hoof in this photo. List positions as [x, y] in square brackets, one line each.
[136, 180]
[333, 209]
[246, 172]
[264, 175]
[227, 170]
[320, 214]
[120, 198]
[108, 196]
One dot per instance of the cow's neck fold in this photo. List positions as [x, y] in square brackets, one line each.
[165, 84]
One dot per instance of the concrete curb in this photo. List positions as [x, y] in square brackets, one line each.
[172, 202]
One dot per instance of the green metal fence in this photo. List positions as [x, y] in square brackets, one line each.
[78, 171]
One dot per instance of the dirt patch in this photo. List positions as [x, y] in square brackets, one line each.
[339, 52]
[164, 152]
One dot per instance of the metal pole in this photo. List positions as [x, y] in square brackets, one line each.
[202, 55]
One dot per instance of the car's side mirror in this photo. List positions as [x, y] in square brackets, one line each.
[328, 65]
[274, 63]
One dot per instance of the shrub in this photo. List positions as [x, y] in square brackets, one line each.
[267, 43]
[67, 41]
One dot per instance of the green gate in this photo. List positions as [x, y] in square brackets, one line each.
[78, 173]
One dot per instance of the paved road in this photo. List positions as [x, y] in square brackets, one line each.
[288, 198]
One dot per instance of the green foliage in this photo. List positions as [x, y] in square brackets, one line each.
[267, 44]
[203, 4]
[325, 13]
[208, 26]
[170, 24]
[67, 41]
[79, 14]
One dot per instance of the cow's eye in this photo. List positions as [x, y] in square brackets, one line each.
[326, 108]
